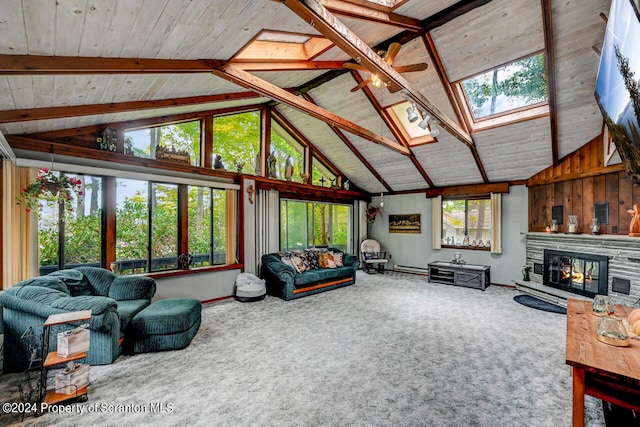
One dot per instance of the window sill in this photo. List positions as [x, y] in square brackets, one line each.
[212, 268]
[469, 248]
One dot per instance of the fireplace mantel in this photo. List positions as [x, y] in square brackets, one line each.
[622, 251]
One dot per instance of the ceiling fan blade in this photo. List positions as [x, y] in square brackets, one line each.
[362, 84]
[352, 66]
[393, 88]
[413, 67]
[392, 52]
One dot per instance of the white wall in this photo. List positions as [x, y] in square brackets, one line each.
[415, 250]
[204, 286]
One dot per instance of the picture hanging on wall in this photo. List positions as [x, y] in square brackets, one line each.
[409, 223]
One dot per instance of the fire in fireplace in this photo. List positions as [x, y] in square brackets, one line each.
[580, 273]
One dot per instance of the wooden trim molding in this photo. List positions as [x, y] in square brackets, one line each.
[468, 190]
[550, 68]
[323, 285]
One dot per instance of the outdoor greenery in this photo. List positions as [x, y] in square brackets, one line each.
[143, 233]
[520, 83]
[465, 217]
[308, 224]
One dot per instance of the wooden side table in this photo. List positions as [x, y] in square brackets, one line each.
[606, 372]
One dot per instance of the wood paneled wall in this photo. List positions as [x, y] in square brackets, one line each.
[579, 181]
[577, 196]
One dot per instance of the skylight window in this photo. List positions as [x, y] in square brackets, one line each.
[511, 88]
[273, 36]
[283, 46]
[413, 133]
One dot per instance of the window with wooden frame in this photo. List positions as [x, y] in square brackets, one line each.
[271, 45]
[176, 139]
[286, 146]
[509, 93]
[466, 222]
[236, 139]
[416, 132]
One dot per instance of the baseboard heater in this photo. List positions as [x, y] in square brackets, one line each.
[414, 270]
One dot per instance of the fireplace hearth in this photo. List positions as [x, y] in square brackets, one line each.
[580, 273]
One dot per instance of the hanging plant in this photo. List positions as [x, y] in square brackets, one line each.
[371, 213]
[52, 190]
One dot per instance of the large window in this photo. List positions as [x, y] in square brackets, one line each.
[207, 226]
[236, 139]
[146, 226]
[313, 224]
[466, 222]
[175, 139]
[76, 241]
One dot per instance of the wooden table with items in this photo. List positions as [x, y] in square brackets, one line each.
[604, 371]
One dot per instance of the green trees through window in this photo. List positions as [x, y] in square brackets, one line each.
[180, 136]
[313, 224]
[77, 241]
[466, 218]
[518, 84]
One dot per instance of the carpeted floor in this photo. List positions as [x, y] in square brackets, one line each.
[393, 350]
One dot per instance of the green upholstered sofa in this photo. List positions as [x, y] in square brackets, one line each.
[284, 281]
[113, 300]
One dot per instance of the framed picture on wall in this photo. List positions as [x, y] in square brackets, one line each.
[409, 223]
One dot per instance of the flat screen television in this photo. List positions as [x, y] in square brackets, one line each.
[617, 85]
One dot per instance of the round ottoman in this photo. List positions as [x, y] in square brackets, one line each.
[168, 324]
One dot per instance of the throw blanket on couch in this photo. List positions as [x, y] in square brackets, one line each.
[294, 274]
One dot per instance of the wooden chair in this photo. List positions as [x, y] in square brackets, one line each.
[372, 257]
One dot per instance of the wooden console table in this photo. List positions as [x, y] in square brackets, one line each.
[607, 372]
[469, 275]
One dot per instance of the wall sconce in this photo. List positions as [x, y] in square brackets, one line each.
[412, 116]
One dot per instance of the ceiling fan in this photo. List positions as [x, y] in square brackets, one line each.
[388, 56]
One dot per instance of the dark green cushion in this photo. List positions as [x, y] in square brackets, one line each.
[307, 278]
[99, 279]
[97, 305]
[46, 282]
[128, 309]
[76, 282]
[167, 316]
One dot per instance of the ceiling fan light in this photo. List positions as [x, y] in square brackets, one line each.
[375, 80]
[425, 122]
[412, 116]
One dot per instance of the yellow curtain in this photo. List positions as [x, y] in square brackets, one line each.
[496, 226]
[19, 229]
[436, 222]
[232, 226]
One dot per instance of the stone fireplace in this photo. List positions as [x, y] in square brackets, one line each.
[581, 266]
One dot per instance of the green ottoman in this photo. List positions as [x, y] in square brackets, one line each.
[168, 324]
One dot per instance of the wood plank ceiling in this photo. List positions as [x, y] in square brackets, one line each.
[75, 63]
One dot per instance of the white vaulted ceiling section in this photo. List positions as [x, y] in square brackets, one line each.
[486, 34]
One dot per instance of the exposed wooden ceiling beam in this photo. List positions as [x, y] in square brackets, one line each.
[384, 116]
[351, 10]
[353, 149]
[327, 24]
[36, 64]
[446, 85]
[550, 68]
[240, 77]
[288, 65]
[10, 116]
